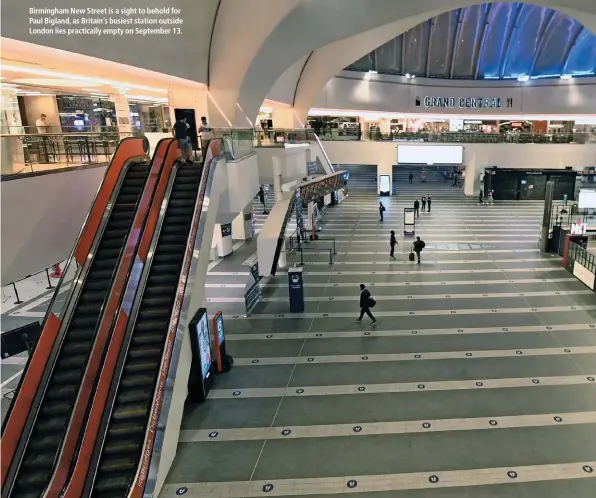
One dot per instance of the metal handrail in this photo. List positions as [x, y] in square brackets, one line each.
[302, 249]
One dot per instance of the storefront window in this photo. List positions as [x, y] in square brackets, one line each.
[85, 114]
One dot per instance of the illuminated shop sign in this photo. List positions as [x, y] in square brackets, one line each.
[464, 102]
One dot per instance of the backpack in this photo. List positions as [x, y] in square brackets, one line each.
[371, 303]
[422, 244]
[383, 208]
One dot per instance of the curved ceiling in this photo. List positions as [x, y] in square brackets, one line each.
[488, 41]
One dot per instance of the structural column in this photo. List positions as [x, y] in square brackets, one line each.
[122, 114]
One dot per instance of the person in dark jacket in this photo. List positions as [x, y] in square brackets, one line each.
[418, 246]
[411, 177]
[262, 198]
[381, 210]
[365, 298]
[417, 208]
[429, 201]
[423, 203]
[392, 244]
[480, 200]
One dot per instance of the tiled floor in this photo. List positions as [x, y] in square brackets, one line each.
[477, 381]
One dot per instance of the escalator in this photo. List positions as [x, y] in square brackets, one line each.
[117, 460]
[56, 407]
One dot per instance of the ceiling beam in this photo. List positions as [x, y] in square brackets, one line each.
[505, 56]
[569, 47]
[479, 49]
[431, 31]
[540, 41]
[456, 41]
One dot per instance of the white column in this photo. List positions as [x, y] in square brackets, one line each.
[472, 180]
[13, 158]
[241, 229]
[122, 114]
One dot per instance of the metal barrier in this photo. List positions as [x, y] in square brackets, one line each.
[580, 255]
[46, 271]
[302, 249]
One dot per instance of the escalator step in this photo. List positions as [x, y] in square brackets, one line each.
[46, 442]
[157, 288]
[125, 428]
[130, 411]
[158, 301]
[62, 391]
[67, 362]
[112, 483]
[66, 377]
[134, 382]
[139, 395]
[119, 446]
[134, 366]
[118, 464]
[140, 340]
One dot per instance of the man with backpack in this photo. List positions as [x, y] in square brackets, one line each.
[418, 246]
[366, 303]
[381, 210]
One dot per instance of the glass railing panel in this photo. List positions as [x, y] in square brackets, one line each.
[238, 142]
[35, 152]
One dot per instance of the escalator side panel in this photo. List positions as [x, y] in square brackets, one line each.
[169, 157]
[110, 314]
[20, 409]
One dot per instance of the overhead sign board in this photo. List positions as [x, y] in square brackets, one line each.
[464, 102]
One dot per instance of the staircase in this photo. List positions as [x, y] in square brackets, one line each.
[435, 185]
[260, 218]
[363, 178]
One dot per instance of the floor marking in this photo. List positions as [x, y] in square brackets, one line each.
[466, 239]
[14, 360]
[417, 271]
[386, 428]
[28, 314]
[399, 297]
[11, 378]
[414, 284]
[448, 355]
[238, 245]
[213, 264]
[442, 312]
[402, 387]
[437, 261]
[228, 273]
[239, 286]
[408, 332]
[427, 251]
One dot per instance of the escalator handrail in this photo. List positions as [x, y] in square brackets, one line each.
[128, 150]
[107, 316]
[92, 436]
[215, 150]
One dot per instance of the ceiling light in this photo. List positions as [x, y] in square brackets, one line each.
[565, 76]
[372, 71]
[523, 77]
[87, 79]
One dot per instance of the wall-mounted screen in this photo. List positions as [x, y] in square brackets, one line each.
[587, 199]
[430, 154]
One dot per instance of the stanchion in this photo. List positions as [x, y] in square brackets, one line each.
[50, 286]
[57, 271]
[16, 293]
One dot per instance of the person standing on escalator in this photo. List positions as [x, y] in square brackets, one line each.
[180, 131]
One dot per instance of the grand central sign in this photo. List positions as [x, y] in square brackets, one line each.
[463, 102]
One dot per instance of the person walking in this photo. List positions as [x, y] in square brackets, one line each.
[480, 200]
[392, 244]
[423, 203]
[429, 201]
[206, 133]
[411, 177]
[417, 208]
[418, 246]
[381, 210]
[366, 302]
[262, 199]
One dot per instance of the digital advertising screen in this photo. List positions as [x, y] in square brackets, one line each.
[220, 328]
[587, 199]
[430, 154]
[202, 334]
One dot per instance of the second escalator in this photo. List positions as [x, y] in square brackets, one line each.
[46, 436]
[121, 452]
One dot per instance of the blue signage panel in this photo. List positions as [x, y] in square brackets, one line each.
[296, 289]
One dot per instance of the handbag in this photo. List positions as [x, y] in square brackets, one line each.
[371, 303]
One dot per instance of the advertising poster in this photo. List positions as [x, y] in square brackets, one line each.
[204, 345]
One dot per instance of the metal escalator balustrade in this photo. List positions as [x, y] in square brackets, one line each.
[46, 436]
[126, 430]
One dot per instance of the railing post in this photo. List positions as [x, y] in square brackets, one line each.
[301, 257]
[18, 301]
[330, 258]
[49, 281]
[334, 251]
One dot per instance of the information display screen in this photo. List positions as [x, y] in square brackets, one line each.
[220, 328]
[587, 199]
[430, 154]
[409, 217]
[202, 334]
[385, 183]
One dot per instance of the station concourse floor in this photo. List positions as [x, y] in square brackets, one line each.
[477, 381]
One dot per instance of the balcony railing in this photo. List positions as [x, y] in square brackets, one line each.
[34, 152]
[277, 137]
